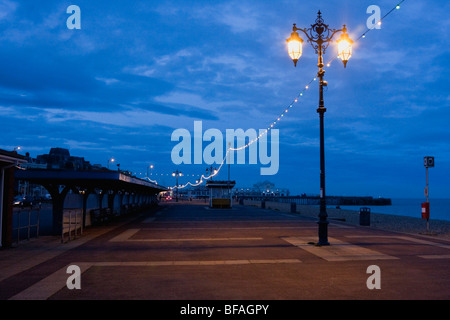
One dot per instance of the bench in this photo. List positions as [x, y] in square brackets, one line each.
[100, 216]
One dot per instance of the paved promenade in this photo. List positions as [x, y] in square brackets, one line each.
[184, 251]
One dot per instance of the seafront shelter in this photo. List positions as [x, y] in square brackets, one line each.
[103, 184]
[8, 161]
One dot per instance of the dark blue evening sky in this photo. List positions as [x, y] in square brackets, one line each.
[138, 70]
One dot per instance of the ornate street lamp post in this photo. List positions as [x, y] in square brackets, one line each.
[176, 174]
[320, 36]
[110, 160]
[212, 172]
[149, 167]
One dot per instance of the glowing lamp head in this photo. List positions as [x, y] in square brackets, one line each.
[344, 47]
[295, 46]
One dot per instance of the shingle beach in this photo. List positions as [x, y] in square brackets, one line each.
[437, 228]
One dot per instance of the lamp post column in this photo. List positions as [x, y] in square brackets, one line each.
[177, 188]
[323, 222]
[176, 174]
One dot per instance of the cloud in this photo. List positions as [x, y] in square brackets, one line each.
[134, 73]
[184, 98]
[124, 118]
[238, 17]
[200, 107]
[7, 8]
[142, 70]
[107, 81]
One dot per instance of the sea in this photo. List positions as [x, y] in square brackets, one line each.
[439, 208]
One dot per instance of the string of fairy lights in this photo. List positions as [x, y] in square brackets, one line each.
[281, 116]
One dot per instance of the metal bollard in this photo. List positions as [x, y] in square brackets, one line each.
[29, 224]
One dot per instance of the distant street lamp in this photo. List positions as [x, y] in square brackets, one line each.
[17, 148]
[149, 167]
[176, 174]
[428, 163]
[110, 160]
[212, 171]
[320, 36]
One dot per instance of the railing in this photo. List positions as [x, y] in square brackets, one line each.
[28, 224]
[331, 200]
[296, 200]
[72, 224]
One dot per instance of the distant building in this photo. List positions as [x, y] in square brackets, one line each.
[258, 190]
[59, 158]
[56, 159]
[261, 189]
[197, 192]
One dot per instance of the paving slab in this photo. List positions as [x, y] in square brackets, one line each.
[182, 252]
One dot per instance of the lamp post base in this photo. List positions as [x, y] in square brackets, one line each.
[323, 233]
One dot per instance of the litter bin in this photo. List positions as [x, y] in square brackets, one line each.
[293, 207]
[364, 216]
